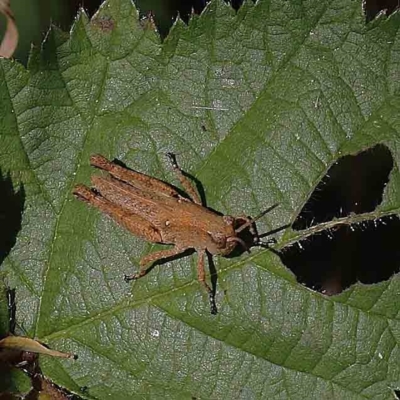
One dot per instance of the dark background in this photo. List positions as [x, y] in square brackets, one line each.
[34, 16]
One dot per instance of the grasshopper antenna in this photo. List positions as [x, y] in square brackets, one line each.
[252, 220]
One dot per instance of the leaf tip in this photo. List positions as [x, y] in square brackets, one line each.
[178, 24]
[81, 18]
[147, 22]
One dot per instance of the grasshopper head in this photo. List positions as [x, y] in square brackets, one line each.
[223, 242]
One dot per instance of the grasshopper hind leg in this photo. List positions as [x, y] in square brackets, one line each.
[133, 223]
[133, 178]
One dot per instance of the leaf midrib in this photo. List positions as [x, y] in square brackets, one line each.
[128, 304]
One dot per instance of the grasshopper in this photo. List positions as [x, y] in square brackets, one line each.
[155, 211]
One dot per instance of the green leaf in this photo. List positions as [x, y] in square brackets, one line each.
[257, 106]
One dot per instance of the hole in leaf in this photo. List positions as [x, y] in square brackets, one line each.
[354, 184]
[331, 262]
[11, 206]
[367, 252]
[373, 7]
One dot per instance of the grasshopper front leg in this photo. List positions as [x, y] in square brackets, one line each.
[147, 261]
[253, 231]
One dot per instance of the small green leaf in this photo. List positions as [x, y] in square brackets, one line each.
[257, 106]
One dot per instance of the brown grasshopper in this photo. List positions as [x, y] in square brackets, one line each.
[157, 212]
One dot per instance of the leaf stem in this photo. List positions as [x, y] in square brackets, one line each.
[337, 223]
